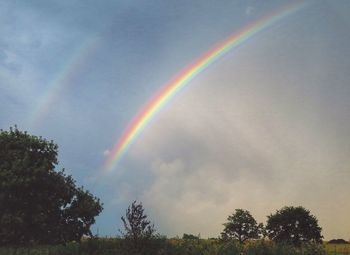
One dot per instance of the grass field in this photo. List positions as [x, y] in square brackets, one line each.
[337, 249]
[114, 246]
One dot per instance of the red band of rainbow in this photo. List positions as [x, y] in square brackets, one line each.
[183, 79]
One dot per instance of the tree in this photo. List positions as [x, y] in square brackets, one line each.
[293, 225]
[38, 204]
[241, 226]
[190, 237]
[338, 241]
[137, 228]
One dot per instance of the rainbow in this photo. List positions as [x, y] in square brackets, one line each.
[183, 78]
[61, 80]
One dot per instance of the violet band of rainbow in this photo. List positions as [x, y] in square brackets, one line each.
[183, 78]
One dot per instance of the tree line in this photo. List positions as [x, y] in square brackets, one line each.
[40, 205]
[290, 225]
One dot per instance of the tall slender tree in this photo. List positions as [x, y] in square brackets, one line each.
[137, 228]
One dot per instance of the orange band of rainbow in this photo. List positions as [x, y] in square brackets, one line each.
[183, 79]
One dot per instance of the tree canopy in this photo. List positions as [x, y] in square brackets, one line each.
[241, 226]
[190, 237]
[38, 204]
[293, 225]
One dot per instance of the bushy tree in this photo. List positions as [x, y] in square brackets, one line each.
[293, 225]
[190, 237]
[37, 203]
[137, 228]
[241, 226]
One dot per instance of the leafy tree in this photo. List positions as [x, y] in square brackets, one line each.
[293, 225]
[338, 241]
[137, 229]
[241, 226]
[37, 203]
[190, 237]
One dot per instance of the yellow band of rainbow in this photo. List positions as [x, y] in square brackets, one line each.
[183, 79]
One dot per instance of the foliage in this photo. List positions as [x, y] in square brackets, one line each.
[190, 237]
[113, 246]
[259, 247]
[138, 230]
[285, 249]
[338, 241]
[337, 248]
[38, 204]
[293, 225]
[313, 248]
[190, 247]
[262, 247]
[230, 248]
[241, 226]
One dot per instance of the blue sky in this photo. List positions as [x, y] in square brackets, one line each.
[265, 126]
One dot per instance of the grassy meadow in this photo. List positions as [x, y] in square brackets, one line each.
[337, 249]
[162, 246]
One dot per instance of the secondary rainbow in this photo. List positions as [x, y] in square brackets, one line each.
[183, 78]
[61, 80]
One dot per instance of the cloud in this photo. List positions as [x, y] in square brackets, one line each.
[230, 142]
[185, 198]
[249, 10]
[106, 152]
[265, 126]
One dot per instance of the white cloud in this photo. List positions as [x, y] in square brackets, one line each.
[106, 152]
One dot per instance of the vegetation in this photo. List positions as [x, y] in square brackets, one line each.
[161, 246]
[338, 241]
[190, 237]
[293, 225]
[115, 246]
[43, 212]
[241, 226]
[139, 232]
[38, 204]
[337, 249]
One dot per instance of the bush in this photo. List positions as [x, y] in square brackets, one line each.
[163, 246]
[285, 249]
[230, 248]
[260, 247]
[313, 249]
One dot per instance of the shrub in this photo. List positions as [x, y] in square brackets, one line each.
[260, 247]
[230, 248]
[313, 249]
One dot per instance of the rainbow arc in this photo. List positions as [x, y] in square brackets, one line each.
[183, 79]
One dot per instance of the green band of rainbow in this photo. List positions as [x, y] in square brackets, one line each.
[183, 79]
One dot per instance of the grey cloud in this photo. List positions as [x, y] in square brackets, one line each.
[255, 142]
[266, 126]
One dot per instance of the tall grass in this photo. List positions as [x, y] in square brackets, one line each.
[337, 249]
[162, 246]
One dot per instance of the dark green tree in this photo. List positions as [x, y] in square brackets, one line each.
[293, 225]
[190, 237]
[137, 228]
[39, 205]
[241, 226]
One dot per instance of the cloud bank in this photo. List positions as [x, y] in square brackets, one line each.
[243, 138]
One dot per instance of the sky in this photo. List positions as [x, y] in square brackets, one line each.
[265, 126]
